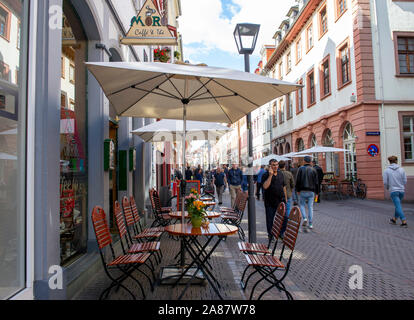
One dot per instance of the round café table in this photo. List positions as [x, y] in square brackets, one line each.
[199, 254]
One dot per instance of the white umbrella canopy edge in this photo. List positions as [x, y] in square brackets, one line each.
[321, 149]
[265, 160]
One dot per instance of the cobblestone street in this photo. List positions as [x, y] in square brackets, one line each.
[346, 233]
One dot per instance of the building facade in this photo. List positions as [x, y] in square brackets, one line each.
[331, 47]
[55, 126]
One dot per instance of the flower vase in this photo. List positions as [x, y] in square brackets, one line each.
[196, 221]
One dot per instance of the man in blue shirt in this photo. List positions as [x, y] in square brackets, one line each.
[235, 180]
[259, 184]
[219, 180]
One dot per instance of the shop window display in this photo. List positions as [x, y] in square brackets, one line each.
[73, 142]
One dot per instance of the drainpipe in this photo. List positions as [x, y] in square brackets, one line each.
[381, 78]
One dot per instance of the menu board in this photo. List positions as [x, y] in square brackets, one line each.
[190, 184]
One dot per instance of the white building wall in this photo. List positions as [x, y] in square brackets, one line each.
[387, 17]
[337, 32]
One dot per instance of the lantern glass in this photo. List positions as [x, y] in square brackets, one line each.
[245, 35]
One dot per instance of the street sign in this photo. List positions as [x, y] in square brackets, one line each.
[373, 150]
[373, 133]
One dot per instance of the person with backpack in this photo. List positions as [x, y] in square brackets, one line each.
[306, 186]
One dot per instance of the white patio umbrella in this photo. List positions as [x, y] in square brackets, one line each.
[265, 160]
[183, 91]
[296, 155]
[321, 149]
[172, 130]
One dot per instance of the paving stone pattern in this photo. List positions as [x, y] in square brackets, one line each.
[346, 233]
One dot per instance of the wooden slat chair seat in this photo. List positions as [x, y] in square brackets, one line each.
[130, 247]
[261, 248]
[125, 263]
[235, 205]
[267, 265]
[139, 234]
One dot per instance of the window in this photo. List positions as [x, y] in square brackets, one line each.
[300, 145]
[63, 67]
[72, 73]
[408, 137]
[19, 31]
[299, 98]
[289, 104]
[323, 21]
[4, 71]
[309, 38]
[281, 110]
[13, 124]
[350, 156]
[405, 53]
[325, 79]
[281, 70]
[311, 88]
[328, 141]
[298, 50]
[63, 100]
[5, 17]
[274, 115]
[340, 8]
[343, 64]
[288, 63]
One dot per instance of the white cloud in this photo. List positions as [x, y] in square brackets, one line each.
[202, 21]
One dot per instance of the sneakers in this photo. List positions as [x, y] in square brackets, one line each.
[310, 226]
[404, 225]
[393, 221]
[305, 223]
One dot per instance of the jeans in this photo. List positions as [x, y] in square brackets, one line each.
[307, 197]
[270, 216]
[288, 206]
[396, 198]
[294, 195]
[258, 189]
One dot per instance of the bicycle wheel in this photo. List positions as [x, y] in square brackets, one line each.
[362, 191]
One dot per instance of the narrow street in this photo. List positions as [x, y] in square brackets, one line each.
[346, 233]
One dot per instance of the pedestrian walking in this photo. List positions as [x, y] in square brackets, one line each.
[320, 173]
[219, 180]
[274, 193]
[290, 185]
[235, 179]
[294, 171]
[306, 186]
[245, 183]
[188, 173]
[395, 179]
[198, 175]
[259, 184]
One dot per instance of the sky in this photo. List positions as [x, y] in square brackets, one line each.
[207, 28]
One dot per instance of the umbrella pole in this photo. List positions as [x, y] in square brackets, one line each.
[185, 102]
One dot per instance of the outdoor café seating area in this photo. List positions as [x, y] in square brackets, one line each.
[165, 256]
